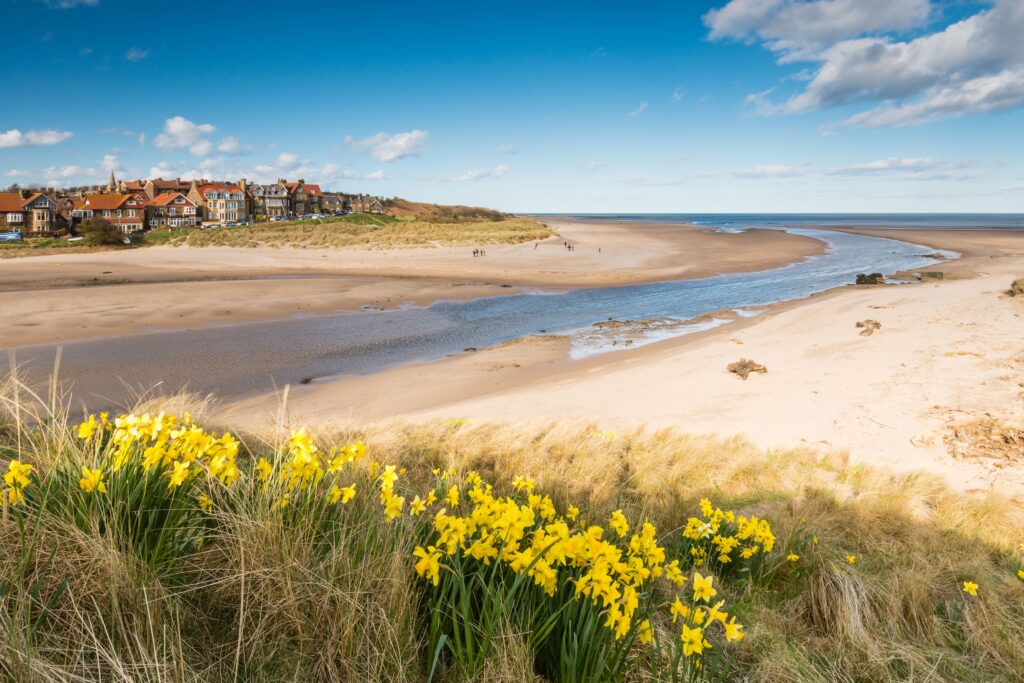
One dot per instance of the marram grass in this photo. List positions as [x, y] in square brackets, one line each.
[157, 548]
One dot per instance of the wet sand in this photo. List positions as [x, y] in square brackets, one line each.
[57, 298]
[948, 354]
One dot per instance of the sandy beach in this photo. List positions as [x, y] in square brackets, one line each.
[943, 376]
[58, 298]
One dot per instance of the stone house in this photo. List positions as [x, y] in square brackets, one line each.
[30, 213]
[269, 201]
[126, 211]
[171, 210]
[220, 202]
[303, 198]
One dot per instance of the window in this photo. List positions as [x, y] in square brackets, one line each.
[14, 217]
[179, 200]
[106, 213]
[131, 213]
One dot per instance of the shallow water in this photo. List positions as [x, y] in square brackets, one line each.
[236, 360]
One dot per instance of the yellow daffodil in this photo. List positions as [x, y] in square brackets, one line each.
[792, 557]
[971, 588]
[428, 566]
[618, 523]
[347, 494]
[92, 480]
[702, 588]
[205, 504]
[1020, 574]
[417, 506]
[644, 633]
[334, 494]
[452, 498]
[852, 559]
[178, 475]
[693, 640]
[15, 496]
[679, 610]
[572, 512]
[733, 631]
[18, 474]
[263, 469]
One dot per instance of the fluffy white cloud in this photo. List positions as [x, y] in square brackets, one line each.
[801, 27]
[385, 148]
[1004, 90]
[973, 65]
[15, 138]
[355, 175]
[639, 110]
[677, 95]
[180, 133]
[231, 145]
[771, 171]
[111, 163]
[136, 54]
[914, 168]
[481, 173]
[161, 170]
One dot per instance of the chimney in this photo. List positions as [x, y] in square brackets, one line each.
[23, 193]
[244, 185]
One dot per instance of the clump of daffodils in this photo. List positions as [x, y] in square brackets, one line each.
[719, 537]
[613, 567]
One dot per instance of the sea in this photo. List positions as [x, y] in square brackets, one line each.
[894, 221]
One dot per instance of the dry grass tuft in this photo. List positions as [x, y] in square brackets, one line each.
[744, 367]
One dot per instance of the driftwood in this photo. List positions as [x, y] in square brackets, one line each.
[744, 367]
[1017, 288]
[868, 327]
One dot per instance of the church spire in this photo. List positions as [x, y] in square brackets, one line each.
[112, 183]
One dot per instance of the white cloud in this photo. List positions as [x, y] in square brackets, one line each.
[479, 174]
[914, 168]
[286, 160]
[69, 4]
[677, 95]
[85, 52]
[798, 28]
[180, 133]
[771, 171]
[15, 138]
[971, 66]
[230, 145]
[505, 149]
[110, 163]
[385, 148]
[54, 174]
[161, 170]
[136, 54]
[1004, 90]
[355, 175]
[639, 110]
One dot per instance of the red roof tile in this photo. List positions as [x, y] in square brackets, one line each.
[12, 201]
[101, 202]
[166, 198]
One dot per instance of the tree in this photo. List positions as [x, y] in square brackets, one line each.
[99, 231]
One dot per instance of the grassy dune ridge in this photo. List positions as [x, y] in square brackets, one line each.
[273, 596]
[367, 232]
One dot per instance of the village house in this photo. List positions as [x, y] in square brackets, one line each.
[151, 187]
[220, 202]
[268, 201]
[362, 203]
[171, 210]
[126, 211]
[303, 198]
[333, 202]
[29, 213]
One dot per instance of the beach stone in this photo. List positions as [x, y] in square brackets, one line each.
[872, 279]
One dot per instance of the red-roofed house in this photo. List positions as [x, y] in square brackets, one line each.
[126, 211]
[220, 202]
[171, 210]
[28, 213]
[304, 198]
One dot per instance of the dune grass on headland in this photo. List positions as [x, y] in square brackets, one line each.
[367, 232]
[181, 554]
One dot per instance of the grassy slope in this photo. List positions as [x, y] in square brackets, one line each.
[367, 231]
[263, 604]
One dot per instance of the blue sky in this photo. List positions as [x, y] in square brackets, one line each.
[688, 106]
